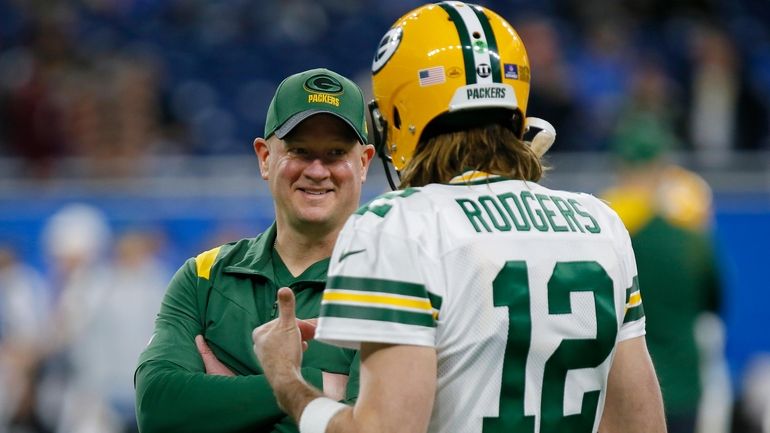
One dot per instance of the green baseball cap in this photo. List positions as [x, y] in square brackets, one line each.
[313, 92]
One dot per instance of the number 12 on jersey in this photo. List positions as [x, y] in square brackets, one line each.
[511, 289]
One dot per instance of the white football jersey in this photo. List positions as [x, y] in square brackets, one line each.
[524, 292]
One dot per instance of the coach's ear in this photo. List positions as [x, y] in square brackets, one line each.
[367, 153]
[262, 149]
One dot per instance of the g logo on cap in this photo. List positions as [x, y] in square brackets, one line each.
[324, 83]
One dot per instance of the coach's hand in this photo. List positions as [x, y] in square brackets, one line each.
[335, 385]
[213, 365]
[279, 343]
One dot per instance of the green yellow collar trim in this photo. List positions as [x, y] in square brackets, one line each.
[475, 177]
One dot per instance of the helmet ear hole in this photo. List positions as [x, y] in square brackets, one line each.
[396, 118]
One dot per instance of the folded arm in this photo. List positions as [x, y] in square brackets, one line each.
[173, 391]
[170, 398]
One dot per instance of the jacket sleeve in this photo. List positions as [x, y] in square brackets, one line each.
[172, 399]
[173, 391]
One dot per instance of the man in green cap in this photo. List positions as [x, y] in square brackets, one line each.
[199, 372]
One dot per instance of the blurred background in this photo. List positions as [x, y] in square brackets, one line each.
[125, 148]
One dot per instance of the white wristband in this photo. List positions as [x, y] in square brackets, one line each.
[317, 415]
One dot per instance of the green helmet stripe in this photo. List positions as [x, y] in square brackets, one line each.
[465, 42]
[494, 57]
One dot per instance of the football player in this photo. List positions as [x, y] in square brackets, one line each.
[481, 301]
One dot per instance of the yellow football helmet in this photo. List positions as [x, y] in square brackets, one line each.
[445, 63]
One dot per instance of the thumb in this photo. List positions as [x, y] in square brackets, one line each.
[286, 314]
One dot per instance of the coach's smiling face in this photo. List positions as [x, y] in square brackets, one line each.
[315, 173]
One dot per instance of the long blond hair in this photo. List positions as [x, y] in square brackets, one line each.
[493, 149]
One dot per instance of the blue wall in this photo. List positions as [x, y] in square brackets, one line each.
[743, 237]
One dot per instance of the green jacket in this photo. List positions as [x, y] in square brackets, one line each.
[223, 294]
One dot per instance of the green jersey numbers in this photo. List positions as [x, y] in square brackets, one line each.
[381, 205]
[511, 289]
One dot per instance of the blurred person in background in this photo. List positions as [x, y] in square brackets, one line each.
[199, 373]
[667, 210]
[727, 112]
[553, 92]
[114, 329]
[107, 299]
[75, 241]
[24, 311]
[600, 76]
[752, 412]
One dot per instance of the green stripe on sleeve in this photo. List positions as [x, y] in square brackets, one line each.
[435, 300]
[362, 284]
[494, 56]
[380, 314]
[465, 42]
[633, 314]
[634, 287]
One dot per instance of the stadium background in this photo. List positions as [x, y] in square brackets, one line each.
[146, 109]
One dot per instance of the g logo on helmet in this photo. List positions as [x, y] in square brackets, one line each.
[324, 83]
[387, 47]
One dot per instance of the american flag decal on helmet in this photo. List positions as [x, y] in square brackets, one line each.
[431, 76]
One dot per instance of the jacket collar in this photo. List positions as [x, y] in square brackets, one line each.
[258, 261]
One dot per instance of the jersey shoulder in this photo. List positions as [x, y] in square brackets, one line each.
[382, 205]
[394, 212]
[601, 208]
